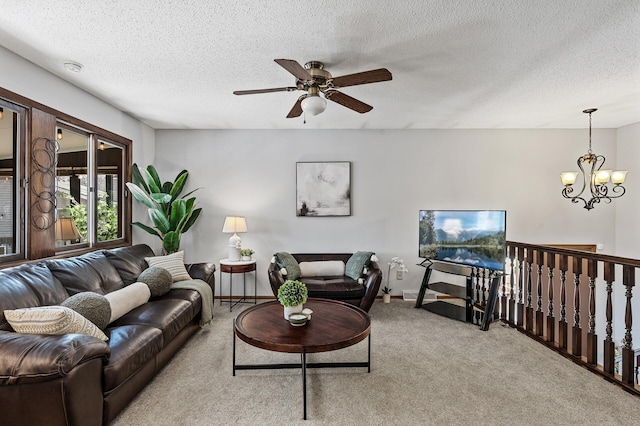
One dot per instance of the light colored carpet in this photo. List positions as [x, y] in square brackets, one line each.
[426, 370]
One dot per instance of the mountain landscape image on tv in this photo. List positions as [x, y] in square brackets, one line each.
[469, 237]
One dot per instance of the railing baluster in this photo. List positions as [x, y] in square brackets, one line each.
[551, 321]
[475, 276]
[503, 298]
[628, 280]
[529, 311]
[576, 343]
[539, 313]
[562, 323]
[592, 338]
[609, 344]
[512, 300]
[520, 317]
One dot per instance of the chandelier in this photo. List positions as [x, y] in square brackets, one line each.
[595, 179]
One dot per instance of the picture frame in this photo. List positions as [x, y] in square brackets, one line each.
[323, 188]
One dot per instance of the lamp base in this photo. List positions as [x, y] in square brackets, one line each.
[234, 248]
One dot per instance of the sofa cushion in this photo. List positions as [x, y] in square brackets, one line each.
[131, 347]
[158, 279]
[89, 272]
[327, 268]
[51, 320]
[357, 263]
[14, 294]
[93, 306]
[129, 261]
[41, 281]
[168, 315]
[339, 288]
[174, 263]
[288, 262]
[126, 299]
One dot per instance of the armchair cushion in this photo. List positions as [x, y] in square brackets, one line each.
[288, 262]
[356, 264]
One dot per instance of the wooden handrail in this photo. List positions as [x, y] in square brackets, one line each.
[549, 293]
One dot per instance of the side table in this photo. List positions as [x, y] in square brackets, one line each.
[231, 267]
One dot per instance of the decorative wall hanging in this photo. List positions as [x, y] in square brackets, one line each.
[323, 189]
[43, 182]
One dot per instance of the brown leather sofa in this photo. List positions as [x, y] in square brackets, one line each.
[341, 288]
[75, 379]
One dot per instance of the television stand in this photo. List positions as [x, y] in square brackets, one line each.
[472, 299]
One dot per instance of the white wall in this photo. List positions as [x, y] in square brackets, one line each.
[395, 173]
[628, 207]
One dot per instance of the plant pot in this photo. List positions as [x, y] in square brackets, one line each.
[246, 258]
[386, 298]
[288, 310]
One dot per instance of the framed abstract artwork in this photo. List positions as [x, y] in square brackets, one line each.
[323, 189]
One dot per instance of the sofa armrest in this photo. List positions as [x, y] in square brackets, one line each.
[372, 281]
[32, 358]
[203, 271]
[275, 278]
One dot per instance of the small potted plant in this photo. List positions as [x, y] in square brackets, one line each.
[386, 294]
[246, 253]
[292, 295]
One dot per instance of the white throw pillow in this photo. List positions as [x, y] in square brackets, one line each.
[325, 268]
[51, 320]
[126, 299]
[174, 263]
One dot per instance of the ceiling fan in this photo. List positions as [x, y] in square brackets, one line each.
[314, 79]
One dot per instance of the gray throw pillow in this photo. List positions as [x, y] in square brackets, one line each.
[285, 260]
[93, 306]
[158, 279]
[356, 264]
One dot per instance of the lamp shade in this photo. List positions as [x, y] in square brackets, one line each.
[66, 229]
[313, 104]
[234, 224]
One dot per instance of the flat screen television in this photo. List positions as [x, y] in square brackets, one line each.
[469, 237]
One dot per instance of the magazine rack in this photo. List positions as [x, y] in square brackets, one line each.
[474, 301]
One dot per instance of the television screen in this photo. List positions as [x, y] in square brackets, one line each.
[469, 237]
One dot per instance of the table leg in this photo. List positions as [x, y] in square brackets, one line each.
[368, 355]
[304, 384]
[230, 291]
[234, 353]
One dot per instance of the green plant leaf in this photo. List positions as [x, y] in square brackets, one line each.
[148, 229]
[160, 220]
[192, 218]
[179, 183]
[138, 179]
[161, 197]
[178, 213]
[154, 175]
[166, 187]
[141, 196]
[150, 182]
[171, 242]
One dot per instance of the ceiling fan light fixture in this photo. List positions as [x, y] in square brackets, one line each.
[313, 104]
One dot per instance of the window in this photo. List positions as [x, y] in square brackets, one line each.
[61, 183]
[12, 141]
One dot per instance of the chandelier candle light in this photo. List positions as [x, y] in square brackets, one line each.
[595, 179]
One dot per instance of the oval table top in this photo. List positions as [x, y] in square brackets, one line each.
[333, 325]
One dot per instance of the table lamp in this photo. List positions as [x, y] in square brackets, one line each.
[66, 230]
[234, 224]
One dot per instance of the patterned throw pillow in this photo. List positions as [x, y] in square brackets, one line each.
[285, 260]
[356, 264]
[174, 263]
[51, 320]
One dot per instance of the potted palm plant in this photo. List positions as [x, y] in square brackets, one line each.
[292, 294]
[172, 214]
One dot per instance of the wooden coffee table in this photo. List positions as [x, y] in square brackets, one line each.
[334, 325]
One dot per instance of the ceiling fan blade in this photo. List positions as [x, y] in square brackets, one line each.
[294, 68]
[347, 101]
[296, 111]
[365, 77]
[275, 89]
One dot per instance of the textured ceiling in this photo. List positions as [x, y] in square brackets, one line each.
[455, 64]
